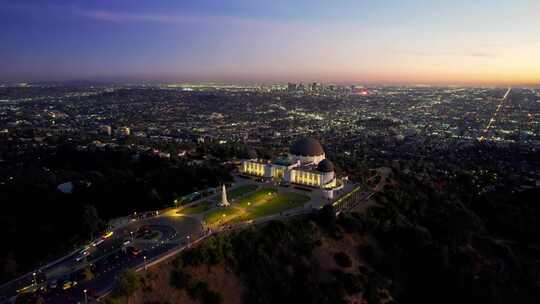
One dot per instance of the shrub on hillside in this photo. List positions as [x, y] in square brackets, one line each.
[350, 223]
[330, 292]
[372, 254]
[353, 283]
[213, 251]
[212, 297]
[327, 216]
[342, 259]
[180, 279]
[127, 283]
[336, 232]
[197, 290]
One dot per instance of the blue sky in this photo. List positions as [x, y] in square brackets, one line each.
[383, 41]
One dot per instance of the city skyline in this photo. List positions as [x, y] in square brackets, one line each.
[388, 42]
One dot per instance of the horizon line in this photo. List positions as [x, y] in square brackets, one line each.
[265, 83]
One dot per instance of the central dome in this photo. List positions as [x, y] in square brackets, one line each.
[307, 147]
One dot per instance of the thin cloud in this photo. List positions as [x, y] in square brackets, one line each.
[127, 17]
[483, 55]
[120, 17]
[448, 53]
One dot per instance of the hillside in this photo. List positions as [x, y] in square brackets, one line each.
[414, 245]
[305, 258]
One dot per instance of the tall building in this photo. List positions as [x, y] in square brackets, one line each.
[314, 87]
[291, 87]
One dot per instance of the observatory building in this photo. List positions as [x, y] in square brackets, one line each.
[306, 164]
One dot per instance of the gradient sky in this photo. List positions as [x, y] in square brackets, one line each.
[352, 41]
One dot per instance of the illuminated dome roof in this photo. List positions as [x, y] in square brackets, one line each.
[325, 166]
[307, 147]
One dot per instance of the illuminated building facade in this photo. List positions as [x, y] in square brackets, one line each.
[305, 165]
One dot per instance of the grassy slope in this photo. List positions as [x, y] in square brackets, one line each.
[258, 204]
[279, 203]
[241, 190]
[207, 205]
[199, 208]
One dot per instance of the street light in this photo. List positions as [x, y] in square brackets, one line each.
[34, 282]
[85, 297]
[144, 258]
[131, 232]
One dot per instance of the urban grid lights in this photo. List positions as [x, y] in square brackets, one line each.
[270, 151]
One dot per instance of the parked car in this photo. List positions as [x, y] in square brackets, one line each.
[68, 284]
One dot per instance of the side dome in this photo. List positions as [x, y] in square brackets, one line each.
[307, 147]
[325, 166]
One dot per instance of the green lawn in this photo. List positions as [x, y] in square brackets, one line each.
[207, 205]
[221, 213]
[261, 203]
[239, 191]
[257, 197]
[199, 208]
[278, 203]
